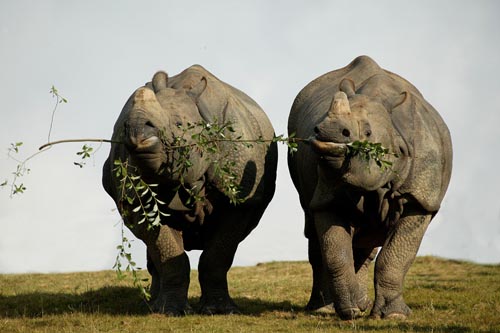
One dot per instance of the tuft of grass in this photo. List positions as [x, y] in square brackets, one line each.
[445, 295]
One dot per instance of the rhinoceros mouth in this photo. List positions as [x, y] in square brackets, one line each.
[147, 145]
[328, 148]
[148, 149]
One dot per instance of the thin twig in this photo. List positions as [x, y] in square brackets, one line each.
[77, 140]
[22, 166]
[52, 118]
[276, 139]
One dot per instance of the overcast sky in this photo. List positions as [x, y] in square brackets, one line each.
[97, 53]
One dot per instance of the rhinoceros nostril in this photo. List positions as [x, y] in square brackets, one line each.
[346, 132]
[316, 130]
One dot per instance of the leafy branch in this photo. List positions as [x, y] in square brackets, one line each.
[17, 187]
[130, 265]
[138, 194]
[367, 151]
[207, 139]
[204, 138]
[141, 196]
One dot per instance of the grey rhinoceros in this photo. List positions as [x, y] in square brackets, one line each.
[162, 114]
[351, 206]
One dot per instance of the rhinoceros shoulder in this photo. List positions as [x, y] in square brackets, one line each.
[430, 150]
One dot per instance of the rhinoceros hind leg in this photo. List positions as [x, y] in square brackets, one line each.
[222, 238]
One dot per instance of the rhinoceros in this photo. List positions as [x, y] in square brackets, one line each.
[169, 112]
[353, 207]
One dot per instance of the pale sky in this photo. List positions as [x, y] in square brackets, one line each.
[97, 53]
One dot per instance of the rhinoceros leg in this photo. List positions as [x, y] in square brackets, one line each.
[169, 267]
[217, 257]
[362, 260]
[392, 264]
[154, 290]
[321, 297]
[336, 245]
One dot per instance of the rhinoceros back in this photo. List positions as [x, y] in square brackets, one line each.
[418, 123]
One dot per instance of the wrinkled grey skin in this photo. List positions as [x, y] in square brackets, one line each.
[212, 225]
[352, 208]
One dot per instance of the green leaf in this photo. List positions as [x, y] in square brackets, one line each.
[157, 221]
[19, 189]
[130, 200]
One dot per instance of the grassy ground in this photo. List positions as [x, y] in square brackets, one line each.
[446, 296]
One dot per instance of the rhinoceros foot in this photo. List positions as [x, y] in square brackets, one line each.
[395, 310]
[218, 305]
[355, 312]
[324, 309]
[169, 307]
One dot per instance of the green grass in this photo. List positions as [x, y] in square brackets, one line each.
[445, 295]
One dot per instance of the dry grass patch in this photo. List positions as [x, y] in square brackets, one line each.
[445, 295]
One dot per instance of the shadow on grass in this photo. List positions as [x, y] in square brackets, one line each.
[107, 300]
[126, 301]
[407, 327]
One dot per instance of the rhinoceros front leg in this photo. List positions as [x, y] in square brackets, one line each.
[321, 297]
[154, 289]
[362, 260]
[392, 264]
[169, 268]
[223, 237]
[336, 246]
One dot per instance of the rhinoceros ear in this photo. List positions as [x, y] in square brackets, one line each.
[347, 86]
[396, 100]
[160, 80]
[198, 89]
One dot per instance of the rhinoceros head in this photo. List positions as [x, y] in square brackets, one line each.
[356, 117]
[151, 120]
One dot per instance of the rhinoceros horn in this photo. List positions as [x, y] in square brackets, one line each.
[340, 105]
